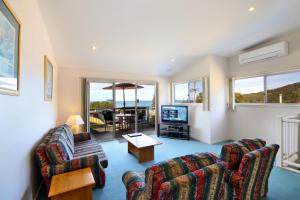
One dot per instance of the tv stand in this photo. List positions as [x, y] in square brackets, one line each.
[173, 130]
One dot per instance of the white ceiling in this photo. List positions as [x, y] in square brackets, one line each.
[142, 36]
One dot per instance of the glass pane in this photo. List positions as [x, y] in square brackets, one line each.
[198, 92]
[101, 107]
[249, 90]
[146, 108]
[125, 107]
[283, 88]
[191, 94]
[181, 93]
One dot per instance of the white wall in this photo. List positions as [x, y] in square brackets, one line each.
[260, 121]
[208, 126]
[70, 92]
[199, 120]
[26, 118]
[218, 99]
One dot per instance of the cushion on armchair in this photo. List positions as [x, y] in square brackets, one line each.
[205, 183]
[167, 170]
[233, 153]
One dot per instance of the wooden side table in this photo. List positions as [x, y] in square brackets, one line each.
[74, 185]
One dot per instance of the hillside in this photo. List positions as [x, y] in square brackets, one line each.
[290, 94]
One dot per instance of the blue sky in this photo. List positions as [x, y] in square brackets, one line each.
[98, 94]
[182, 89]
[256, 84]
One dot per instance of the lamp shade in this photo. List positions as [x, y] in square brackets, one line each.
[75, 120]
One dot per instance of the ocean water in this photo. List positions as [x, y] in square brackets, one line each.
[119, 104]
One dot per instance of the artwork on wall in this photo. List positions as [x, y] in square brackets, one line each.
[48, 79]
[9, 50]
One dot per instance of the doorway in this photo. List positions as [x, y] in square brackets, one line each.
[115, 108]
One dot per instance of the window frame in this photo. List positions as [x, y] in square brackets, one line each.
[264, 75]
[190, 101]
[174, 94]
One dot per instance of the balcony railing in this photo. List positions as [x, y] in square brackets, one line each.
[290, 143]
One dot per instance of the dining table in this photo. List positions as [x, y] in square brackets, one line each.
[125, 120]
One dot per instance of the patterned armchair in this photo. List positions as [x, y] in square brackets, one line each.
[249, 166]
[60, 151]
[233, 153]
[196, 176]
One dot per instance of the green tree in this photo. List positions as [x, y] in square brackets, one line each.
[101, 105]
[199, 98]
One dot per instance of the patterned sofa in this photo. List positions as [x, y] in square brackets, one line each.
[196, 176]
[249, 166]
[60, 151]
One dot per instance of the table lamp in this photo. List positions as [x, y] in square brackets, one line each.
[75, 121]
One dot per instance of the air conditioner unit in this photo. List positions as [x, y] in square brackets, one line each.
[275, 50]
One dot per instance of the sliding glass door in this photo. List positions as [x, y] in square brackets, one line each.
[146, 107]
[118, 107]
[101, 107]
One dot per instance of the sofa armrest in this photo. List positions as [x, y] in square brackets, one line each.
[80, 137]
[134, 183]
[71, 165]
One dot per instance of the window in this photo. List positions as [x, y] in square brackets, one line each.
[181, 92]
[276, 88]
[188, 92]
[249, 90]
[196, 91]
[283, 88]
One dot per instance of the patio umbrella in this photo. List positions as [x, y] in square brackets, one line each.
[123, 86]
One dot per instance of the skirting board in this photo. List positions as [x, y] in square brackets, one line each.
[214, 142]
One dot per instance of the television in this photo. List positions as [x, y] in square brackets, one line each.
[174, 114]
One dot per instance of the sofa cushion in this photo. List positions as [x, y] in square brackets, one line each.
[233, 153]
[90, 147]
[167, 170]
[69, 134]
[57, 149]
[41, 154]
[64, 132]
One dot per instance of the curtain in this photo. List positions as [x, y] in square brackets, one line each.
[231, 94]
[205, 83]
[85, 88]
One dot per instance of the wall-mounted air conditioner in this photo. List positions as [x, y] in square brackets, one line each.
[275, 50]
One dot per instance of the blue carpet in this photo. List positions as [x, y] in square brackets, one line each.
[282, 184]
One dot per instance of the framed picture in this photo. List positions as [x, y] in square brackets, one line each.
[48, 79]
[10, 28]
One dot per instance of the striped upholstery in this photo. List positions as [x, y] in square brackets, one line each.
[90, 147]
[57, 150]
[149, 188]
[233, 153]
[250, 182]
[82, 137]
[60, 151]
[205, 183]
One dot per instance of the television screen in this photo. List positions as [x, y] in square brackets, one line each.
[174, 114]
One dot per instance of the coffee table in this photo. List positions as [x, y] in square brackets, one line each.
[142, 147]
[74, 185]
